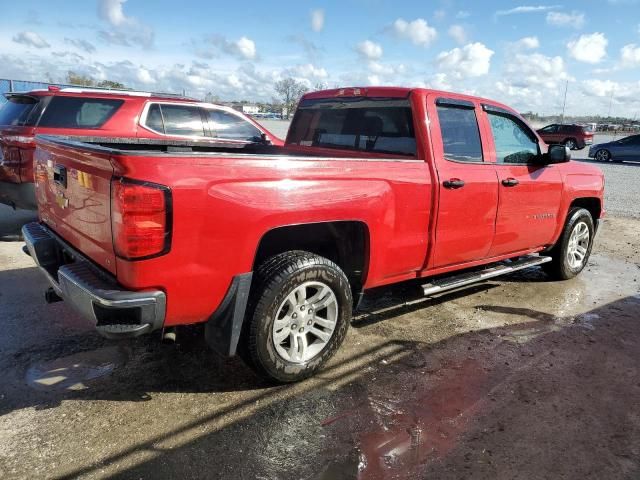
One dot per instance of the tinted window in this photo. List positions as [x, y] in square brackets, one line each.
[154, 118]
[550, 129]
[72, 112]
[16, 110]
[367, 124]
[182, 120]
[514, 142]
[228, 125]
[460, 134]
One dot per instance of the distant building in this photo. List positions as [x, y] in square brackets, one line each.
[248, 109]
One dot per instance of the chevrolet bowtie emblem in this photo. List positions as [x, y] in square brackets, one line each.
[61, 200]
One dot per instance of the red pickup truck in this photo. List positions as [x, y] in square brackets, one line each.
[272, 247]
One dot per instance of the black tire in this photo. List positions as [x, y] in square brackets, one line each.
[571, 143]
[559, 268]
[274, 280]
[602, 155]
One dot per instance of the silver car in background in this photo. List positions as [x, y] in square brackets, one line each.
[627, 148]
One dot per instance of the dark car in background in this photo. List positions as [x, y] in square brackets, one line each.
[575, 137]
[86, 112]
[627, 148]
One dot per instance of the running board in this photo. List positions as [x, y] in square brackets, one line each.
[456, 281]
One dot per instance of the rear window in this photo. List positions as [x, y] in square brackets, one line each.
[381, 125]
[78, 112]
[17, 110]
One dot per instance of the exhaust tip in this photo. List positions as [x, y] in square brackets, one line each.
[51, 296]
[169, 336]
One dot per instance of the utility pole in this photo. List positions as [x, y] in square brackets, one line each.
[610, 103]
[564, 105]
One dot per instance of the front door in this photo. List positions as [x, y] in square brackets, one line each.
[530, 193]
[468, 185]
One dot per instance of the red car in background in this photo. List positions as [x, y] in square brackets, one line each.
[106, 113]
[574, 137]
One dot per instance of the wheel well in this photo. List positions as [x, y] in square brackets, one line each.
[345, 243]
[591, 204]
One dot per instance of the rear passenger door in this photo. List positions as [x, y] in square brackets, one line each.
[468, 185]
[530, 192]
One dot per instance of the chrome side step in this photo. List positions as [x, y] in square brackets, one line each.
[456, 281]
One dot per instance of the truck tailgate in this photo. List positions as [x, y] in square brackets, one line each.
[73, 190]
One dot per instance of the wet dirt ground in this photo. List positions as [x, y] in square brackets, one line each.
[520, 378]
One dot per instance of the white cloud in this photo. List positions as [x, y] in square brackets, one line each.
[310, 71]
[31, 39]
[144, 76]
[527, 9]
[370, 50]
[458, 33]
[561, 19]
[600, 88]
[317, 20]
[630, 56]
[124, 30]
[536, 70]
[439, 81]
[112, 12]
[472, 60]
[81, 44]
[462, 14]
[528, 43]
[244, 48]
[417, 31]
[589, 48]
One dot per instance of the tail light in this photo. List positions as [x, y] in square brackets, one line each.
[141, 219]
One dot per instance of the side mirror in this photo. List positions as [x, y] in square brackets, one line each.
[558, 154]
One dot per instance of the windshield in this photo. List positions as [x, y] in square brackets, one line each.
[17, 109]
[381, 125]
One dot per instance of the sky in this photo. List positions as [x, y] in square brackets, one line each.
[521, 53]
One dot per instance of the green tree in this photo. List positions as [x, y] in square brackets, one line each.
[290, 91]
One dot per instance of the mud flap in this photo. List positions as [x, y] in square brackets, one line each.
[222, 330]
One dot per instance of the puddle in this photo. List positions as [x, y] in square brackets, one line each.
[75, 372]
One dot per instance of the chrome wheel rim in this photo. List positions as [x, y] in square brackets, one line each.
[305, 322]
[578, 245]
[570, 144]
[602, 156]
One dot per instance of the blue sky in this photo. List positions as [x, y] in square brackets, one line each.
[522, 53]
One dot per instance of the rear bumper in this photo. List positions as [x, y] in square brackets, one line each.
[18, 195]
[116, 313]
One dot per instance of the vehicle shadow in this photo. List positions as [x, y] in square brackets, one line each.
[11, 222]
[415, 410]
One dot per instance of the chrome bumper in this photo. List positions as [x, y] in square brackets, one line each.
[116, 312]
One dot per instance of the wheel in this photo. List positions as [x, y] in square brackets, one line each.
[300, 311]
[571, 254]
[603, 155]
[571, 143]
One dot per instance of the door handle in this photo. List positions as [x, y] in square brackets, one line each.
[60, 175]
[510, 182]
[453, 183]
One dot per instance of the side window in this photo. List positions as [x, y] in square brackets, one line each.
[550, 129]
[460, 134]
[227, 125]
[154, 119]
[79, 112]
[182, 120]
[514, 143]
